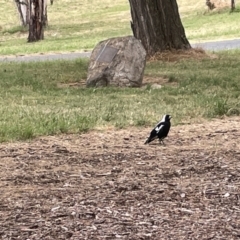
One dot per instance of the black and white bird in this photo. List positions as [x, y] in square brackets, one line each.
[161, 130]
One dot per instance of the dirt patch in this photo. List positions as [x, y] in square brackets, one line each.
[79, 84]
[147, 80]
[178, 55]
[109, 185]
[157, 82]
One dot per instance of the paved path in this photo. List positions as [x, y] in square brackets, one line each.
[219, 45]
[46, 57]
[211, 46]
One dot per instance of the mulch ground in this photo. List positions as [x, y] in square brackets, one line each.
[109, 185]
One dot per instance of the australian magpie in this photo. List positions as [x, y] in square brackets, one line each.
[161, 130]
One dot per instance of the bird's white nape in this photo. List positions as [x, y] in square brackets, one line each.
[164, 118]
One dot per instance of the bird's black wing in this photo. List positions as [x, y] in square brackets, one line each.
[154, 133]
[163, 130]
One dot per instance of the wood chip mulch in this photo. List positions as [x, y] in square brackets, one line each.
[109, 185]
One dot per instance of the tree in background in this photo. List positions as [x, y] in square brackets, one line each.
[158, 25]
[36, 22]
[23, 10]
[212, 4]
[232, 5]
[33, 14]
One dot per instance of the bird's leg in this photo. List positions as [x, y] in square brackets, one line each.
[161, 142]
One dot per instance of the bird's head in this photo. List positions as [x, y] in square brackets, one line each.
[166, 118]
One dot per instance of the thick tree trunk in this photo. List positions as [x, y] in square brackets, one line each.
[36, 24]
[158, 25]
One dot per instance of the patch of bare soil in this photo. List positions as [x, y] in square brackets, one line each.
[220, 4]
[155, 82]
[109, 185]
[177, 55]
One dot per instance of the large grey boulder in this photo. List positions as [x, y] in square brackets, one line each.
[117, 62]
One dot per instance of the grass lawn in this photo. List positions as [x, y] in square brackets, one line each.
[42, 98]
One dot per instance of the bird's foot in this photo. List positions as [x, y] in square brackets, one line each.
[161, 142]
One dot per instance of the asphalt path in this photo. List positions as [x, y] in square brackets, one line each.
[219, 45]
[209, 46]
[45, 57]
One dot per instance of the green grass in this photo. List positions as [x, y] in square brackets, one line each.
[85, 24]
[35, 97]
[212, 25]
[35, 100]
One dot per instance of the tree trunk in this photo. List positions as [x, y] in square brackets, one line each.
[158, 25]
[45, 16]
[23, 9]
[232, 5]
[36, 24]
